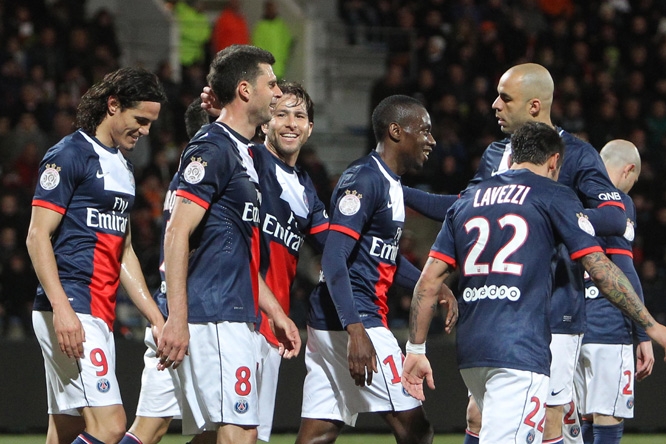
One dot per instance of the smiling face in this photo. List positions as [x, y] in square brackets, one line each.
[418, 142]
[265, 94]
[289, 128]
[122, 128]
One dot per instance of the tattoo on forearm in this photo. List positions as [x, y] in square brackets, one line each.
[416, 310]
[617, 288]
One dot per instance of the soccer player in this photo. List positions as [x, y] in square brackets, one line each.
[80, 245]
[525, 94]
[503, 233]
[211, 257]
[605, 372]
[347, 329]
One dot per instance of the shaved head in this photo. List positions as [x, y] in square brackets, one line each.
[535, 82]
[524, 94]
[623, 163]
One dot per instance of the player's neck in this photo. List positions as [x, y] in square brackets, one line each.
[540, 170]
[238, 120]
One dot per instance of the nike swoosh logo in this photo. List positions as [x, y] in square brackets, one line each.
[100, 174]
[390, 205]
[554, 393]
[494, 173]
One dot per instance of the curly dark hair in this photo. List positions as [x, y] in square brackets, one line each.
[128, 85]
[535, 142]
[232, 65]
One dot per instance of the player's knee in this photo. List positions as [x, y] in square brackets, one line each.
[418, 432]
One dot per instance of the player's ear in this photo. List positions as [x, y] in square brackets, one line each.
[395, 131]
[112, 105]
[310, 126]
[535, 107]
[244, 90]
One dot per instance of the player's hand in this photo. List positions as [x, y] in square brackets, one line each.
[414, 370]
[658, 333]
[156, 330]
[449, 303]
[361, 355]
[210, 103]
[287, 334]
[644, 360]
[69, 331]
[173, 343]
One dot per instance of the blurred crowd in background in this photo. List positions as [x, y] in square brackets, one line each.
[608, 60]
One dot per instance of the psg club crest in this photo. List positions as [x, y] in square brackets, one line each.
[630, 403]
[50, 178]
[531, 436]
[574, 430]
[103, 385]
[195, 171]
[241, 406]
[350, 203]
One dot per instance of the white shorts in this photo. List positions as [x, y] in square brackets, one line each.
[512, 403]
[605, 380]
[160, 395]
[75, 383]
[565, 350]
[329, 391]
[267, 381]
[218, 378]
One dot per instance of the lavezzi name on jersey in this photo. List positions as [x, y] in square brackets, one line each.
[514, 194]
[107, 221]
[290, 239]
[491, 292]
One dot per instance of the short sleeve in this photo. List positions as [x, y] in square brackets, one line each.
[205, 171]
[444, 247]
[355, 201]
[60, 173]
[592, 182]
[571, 224]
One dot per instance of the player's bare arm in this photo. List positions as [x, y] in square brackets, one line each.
[134, 283]
[427, 294]
[68, 328]
[175, 338]
[283, 327]
[615, 286]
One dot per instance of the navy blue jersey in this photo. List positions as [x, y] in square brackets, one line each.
[92, 186]
[502, 234]
[583, 171]
[606, 324]
[290, 210]
[368, 205]
[217, 173]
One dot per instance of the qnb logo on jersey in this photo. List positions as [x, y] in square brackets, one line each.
[273, 228]
[107, 221]
[251, 213]
[613, 195]
[383, 250]
[491, 292]
[591, 292]
[513, 194]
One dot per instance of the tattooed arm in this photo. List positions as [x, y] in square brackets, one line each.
[427, 294]
[615, 286]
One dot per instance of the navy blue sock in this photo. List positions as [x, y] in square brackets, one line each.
[86, 438]
[129, 438]
[587, 432]
[611, 434]
[471, 438]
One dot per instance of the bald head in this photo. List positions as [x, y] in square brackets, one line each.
[623, 163]
[535, 82]
[525, 93]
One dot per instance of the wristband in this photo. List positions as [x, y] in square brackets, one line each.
[415, 349]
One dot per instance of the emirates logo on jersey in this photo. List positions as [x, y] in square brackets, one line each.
[195, 171]
[50, 178]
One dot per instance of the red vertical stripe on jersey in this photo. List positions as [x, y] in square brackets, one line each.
[386, 272]
[254, 267]
[105, 277]
[279, 277]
